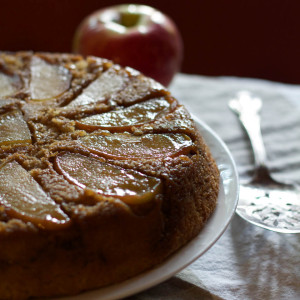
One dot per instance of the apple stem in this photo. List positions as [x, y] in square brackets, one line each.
[128, 19]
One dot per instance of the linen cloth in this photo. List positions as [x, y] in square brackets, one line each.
[247, 262]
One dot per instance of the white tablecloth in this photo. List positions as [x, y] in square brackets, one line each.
[247, 262]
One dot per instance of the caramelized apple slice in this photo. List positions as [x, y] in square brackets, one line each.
[130, 186]
[100, 89]
[7, 102]
[8, 84]
[13, 129]
[126, 145]
[123, 119]
[47, 80]
[25, 199]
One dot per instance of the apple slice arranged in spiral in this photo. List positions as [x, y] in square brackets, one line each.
[123, 119]
[126, 145]
[47, 80]
[24, 199]
[9, 84]
[14, 129]
[100, 89]
[130, 186]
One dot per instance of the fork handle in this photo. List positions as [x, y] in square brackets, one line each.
[247, 108]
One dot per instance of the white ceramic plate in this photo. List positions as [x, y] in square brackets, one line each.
[214, 228]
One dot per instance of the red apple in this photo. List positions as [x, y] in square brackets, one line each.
[132, 35]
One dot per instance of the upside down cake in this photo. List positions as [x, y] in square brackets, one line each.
[103, 174]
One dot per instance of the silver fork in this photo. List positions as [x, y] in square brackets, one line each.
[264, 201]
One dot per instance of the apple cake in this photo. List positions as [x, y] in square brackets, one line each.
[103, 174]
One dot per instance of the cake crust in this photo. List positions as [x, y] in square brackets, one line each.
[108, 238]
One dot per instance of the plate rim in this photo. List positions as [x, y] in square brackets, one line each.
[133, 285]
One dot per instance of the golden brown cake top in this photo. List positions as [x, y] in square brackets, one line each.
[76, 131]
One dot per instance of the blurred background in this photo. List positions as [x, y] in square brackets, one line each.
[257, 38]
